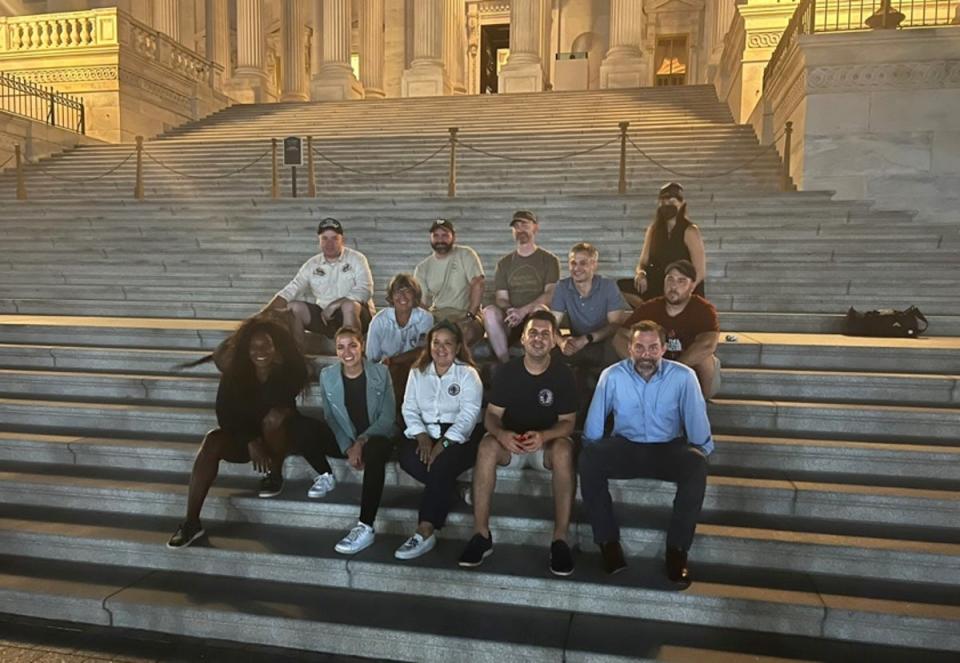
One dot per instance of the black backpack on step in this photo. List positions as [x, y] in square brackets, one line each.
[886, 322]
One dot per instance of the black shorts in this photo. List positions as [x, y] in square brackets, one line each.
[302, 432]
[514, 333]
[317, 325]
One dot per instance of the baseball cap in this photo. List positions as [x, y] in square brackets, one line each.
[443, 223]
[524, 215]
[685, 267]
[671, 190]
[330, 223]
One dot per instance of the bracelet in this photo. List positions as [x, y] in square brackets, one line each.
[445, 442]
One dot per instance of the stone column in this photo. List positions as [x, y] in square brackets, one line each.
[425, 77]
[371, 47]
[218, 36]
[293, 63]
[249, 81]
[166, 18]
[764, 24]
[623, 64]
[453, 46]
[524, 71]
[334, 79]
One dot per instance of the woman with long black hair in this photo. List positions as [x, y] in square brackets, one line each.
[671, 237]
[263, 370]
[441, 411]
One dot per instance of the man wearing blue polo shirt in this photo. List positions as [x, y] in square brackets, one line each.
[593, 307]
[660, 431]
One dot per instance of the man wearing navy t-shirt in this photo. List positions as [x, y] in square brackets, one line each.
[529, 421]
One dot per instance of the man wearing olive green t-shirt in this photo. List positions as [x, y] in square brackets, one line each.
[452, 281]
[524, 282]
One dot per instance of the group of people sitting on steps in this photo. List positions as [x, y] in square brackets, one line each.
[631, 377]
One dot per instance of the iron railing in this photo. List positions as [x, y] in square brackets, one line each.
[21, 97]
[817, 16]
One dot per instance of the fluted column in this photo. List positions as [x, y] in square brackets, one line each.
[292, 40]
[623, 65]
[166, 18]
[371, 47]
[334, 79]
[425, 76]
[453, 47]
[218, 35]
[524, 70]
[249, 81]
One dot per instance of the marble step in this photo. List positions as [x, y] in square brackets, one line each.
[744, 499]
[247, 552]
[445, 626]
[882, 463]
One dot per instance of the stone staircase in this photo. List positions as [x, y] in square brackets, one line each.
[830, 523]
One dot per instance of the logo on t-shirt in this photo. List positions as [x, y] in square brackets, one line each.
[545, 397]
[674, 345]
[319, 271]
[453, 389]
[346, 268]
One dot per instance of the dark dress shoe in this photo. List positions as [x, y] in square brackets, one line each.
[677, 569]
[613, 561]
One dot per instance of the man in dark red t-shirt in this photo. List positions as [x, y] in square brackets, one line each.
[691, 323]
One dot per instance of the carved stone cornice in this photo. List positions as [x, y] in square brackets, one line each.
[893, 75]
[69, 74]
[764, 39]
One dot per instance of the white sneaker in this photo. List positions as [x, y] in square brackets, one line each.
[322, 485]
[357, 539]
[415, 546]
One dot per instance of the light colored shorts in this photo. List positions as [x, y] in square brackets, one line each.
[532, 460]
[715, 385]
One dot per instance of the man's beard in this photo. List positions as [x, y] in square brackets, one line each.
[523, 237]
[667, 212]
[674, 297]
[642, 365]
[441, 247]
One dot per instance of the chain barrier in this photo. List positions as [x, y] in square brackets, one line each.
[693, 176]
[391, 173]
[9, 159]
[206, 177]
[83, 180]
[562, 157]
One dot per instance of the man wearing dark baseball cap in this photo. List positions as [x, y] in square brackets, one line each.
[332, 289]
[452, 280]
[524, 281]
[691, 323]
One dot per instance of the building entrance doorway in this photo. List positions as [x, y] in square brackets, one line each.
[494, 51]
[671, 59]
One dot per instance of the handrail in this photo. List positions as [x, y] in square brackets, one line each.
[44, 104]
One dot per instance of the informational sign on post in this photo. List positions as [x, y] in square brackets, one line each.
[293, 157]
[292, 151]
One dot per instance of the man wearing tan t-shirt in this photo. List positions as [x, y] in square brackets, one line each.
[452, 280]
[524, 282]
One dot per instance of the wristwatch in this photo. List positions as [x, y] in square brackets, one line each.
[589, 338]
[445, 442]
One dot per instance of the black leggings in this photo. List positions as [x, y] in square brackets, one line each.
[440, 481]
[376, 453]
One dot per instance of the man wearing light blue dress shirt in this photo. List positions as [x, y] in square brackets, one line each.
[660, 431]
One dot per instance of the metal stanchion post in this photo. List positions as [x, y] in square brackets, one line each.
[311, 173]
[275, 184]
[622, 184]
[21, 183]
[452, 182]
[138, 186]
[785, 183]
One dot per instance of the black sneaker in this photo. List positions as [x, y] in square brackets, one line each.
[561, 558]
[478, 549]
[271, 485]
[186, 534]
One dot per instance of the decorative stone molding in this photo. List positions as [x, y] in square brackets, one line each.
[763, 39]
[70, 75]
[896, 75]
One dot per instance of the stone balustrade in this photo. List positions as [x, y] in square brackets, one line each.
[133, 79]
